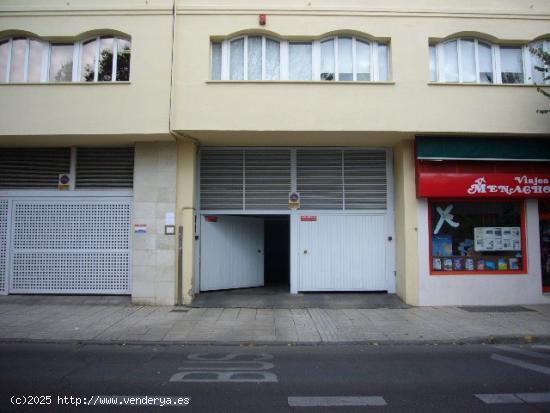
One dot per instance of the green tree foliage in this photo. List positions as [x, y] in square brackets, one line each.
[123, 64]
[106, 66]
[544, 68]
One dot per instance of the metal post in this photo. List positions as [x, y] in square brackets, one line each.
[180, 266]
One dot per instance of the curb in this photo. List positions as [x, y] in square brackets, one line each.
[485, 340]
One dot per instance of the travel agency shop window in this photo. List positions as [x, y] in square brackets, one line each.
[476, 190]
[336, 58]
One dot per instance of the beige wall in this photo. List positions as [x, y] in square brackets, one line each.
[409, 104]
[500, 7]
[406, 223]
[154, 254]
[138, 107]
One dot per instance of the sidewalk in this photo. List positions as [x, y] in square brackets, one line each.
[116, 320]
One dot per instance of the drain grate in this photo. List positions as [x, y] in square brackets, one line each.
[496, 309]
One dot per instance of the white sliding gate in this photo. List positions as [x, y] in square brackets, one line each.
[65, 245]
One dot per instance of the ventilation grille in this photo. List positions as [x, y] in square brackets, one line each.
[70, 246]
[63, 225]
[319, 179]
[365, 182]
[3, 242]
[342, 179]
[74, 272]
[267, 179]
[105, 168]
[221, 180]
[260, 179]
[33, 168]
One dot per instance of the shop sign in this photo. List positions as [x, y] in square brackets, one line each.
[496, 185]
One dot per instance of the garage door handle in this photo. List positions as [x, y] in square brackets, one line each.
[260, 251]
[305, 251]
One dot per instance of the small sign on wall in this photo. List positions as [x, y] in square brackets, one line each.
[64, 182]
[140, 228]
[308, 218]
[294, 200]
[170, 218]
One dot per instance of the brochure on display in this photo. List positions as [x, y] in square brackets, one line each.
[497, 239]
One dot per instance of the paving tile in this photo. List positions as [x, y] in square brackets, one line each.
[66, 319]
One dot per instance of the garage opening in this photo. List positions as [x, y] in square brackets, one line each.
[277, 253]
[245, 251]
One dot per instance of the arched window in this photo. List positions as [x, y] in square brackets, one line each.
[339, 58]
[21, 60]
[247, 58]
[468, 60]
[97, 62]
[462, 60]
[33, 60]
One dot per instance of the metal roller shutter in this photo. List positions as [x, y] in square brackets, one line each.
[238, 179]
[105, 168]
[221, 179]
[350, 179]
[319, 178]
[365, 181]
[260, 179]
[33, 167]
[267, 179]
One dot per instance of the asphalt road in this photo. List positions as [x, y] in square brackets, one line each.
[264, 379]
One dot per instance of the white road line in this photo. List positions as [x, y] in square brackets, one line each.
[526, 352]
[225, 376]
[334, 401]
[498, 398]
[535, 397]
[522, 364]
[227, 365]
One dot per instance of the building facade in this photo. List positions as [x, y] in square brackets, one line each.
[165, 149]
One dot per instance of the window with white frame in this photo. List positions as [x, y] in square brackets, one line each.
[339, 58]
[98, 62]
[468, 60]
[100, 59]
[537, 64]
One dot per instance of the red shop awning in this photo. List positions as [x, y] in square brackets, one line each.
[482, 179]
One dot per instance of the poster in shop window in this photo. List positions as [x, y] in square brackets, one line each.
[497, 239]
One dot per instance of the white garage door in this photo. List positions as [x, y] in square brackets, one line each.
[349, 190]
[69, 246]
[232, 252]
[342, 253]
